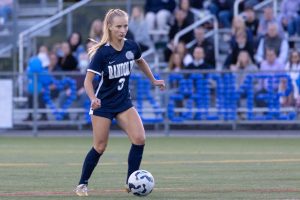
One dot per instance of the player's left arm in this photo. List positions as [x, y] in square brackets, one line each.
[143, 65]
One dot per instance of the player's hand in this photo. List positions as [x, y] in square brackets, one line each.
[160, 84]
[95, 103]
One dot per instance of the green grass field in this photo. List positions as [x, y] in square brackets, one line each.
[183, 168]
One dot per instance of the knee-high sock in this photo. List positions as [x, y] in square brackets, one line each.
[90, 162]
[134, 159]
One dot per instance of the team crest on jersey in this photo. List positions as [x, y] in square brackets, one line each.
[129, 55]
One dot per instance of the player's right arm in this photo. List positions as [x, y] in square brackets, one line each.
[88, 86]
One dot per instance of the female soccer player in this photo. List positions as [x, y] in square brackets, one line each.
[112, 59]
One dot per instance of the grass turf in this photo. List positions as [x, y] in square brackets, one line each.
[183, 168]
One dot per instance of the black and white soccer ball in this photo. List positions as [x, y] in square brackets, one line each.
[141, 183]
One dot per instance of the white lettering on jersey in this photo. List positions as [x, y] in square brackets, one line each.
[121, 69]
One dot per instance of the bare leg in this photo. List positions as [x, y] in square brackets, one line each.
[131, 123]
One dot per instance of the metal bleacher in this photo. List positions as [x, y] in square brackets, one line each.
[25, 15]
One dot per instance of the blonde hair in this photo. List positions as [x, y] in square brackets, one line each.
[106, 34]
[238, 24]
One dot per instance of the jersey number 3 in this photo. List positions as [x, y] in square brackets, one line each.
[121, 83]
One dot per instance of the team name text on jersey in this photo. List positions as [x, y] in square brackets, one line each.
[122, 69]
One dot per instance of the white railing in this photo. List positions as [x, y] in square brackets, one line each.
[193, 42]
[36, 28]
[150, 51]
[60, 5]
[198, 23]
[236, 7]
[257, 7]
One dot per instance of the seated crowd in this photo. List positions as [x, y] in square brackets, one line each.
[257, 42]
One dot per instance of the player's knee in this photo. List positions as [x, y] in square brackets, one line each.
[139, 140]
[100, 147]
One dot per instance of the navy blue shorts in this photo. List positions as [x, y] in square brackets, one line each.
[110, 113]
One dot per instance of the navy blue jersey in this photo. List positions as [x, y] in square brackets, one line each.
[114, 68]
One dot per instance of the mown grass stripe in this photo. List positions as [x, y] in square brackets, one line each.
[160, 162]
[182, 189]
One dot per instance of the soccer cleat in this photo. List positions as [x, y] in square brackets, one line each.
[81, 190]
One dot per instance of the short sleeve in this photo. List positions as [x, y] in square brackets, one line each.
[138, 52]
[96, 64]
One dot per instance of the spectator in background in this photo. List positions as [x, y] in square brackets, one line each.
[182, 50]
[180, 23]
[56, 48]
[138, 28]
[239, 43]
[185, 6]
[82, 63]
[175, 62]
[242, 65]
[271, 62]
[272, 40]
[75, 44]
[53, 63]
[268, 17]
[289, 16]
[223, 10]
[252, 24]
[96, 30]
[292, 68]
[158, 13]
[84, 60]
[43, 55]
[241, 70]
[206, 43]
[43, 79]
[82, 100]
[239, 27]
[199, 60]
[67, 61]
[250, 20]
[271, 65]
[238, 24]
[52, 68]
[5, 10]
[179, 48]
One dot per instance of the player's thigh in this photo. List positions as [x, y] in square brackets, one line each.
[101, 126]
[131, 123]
